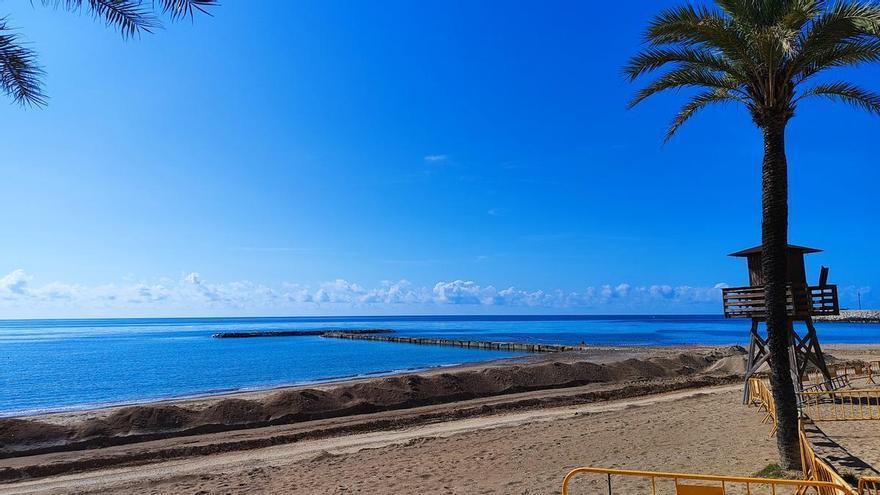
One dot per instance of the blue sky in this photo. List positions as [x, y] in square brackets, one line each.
[323, 157]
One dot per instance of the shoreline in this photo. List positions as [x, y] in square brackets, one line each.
[259, 390]
[854, 351]
[224, 393]
[196, 430]
[79, 430]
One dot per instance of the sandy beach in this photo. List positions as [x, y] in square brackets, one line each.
[455, 248]
[526, 452]
[511, 440]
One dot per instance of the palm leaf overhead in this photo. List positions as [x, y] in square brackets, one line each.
[758, 53]
[764, 54]
[21, 76]
[847, 93]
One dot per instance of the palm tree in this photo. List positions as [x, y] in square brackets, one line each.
[21, 77]
[766, 55]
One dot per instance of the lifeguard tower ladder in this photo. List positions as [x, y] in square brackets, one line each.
[804, 302]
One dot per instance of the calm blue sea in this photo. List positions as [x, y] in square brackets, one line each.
[48, 365]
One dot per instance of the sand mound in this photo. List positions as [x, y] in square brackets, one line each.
[23, 432]
[234, 411]
[396, 392]
[732, 365]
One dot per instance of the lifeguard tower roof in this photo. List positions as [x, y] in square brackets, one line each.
[745, 253]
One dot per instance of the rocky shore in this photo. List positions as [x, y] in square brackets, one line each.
[297, 333]
[470, 344]
[853, 316]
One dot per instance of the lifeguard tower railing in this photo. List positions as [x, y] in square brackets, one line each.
[802, 301]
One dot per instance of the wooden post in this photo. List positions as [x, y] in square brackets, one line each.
[803, 351]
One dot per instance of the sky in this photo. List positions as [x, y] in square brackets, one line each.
[438, 157]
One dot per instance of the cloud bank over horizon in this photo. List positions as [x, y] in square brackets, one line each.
[191, 295]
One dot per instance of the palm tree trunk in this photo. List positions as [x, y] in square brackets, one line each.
[774, 238]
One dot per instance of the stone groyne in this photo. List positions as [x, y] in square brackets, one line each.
[298, 333]
[471, 344]
[853, 316]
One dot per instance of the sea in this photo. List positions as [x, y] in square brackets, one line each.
[63, 365]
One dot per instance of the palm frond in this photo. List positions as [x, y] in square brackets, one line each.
[702, 28]
[698, 103]
[178, 9]
[651, 59]
[686, 24]
[738, 10]
[20, 75]
[792, 14]
[801, 13]
[698, 26]
[687, 77]
[131, 17]
[851, 53]
[846, 93]
[759, 53]
[846, 34]
[840, 23]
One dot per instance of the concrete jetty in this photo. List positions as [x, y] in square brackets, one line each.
[471, 344]
[298, 333]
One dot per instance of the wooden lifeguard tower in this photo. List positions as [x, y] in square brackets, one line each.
[804, 301]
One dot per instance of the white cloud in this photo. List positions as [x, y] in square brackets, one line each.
[15, 283]
[338, 291]
[400, 292]
[436, 158]
[296, 293]
[191, 294]
[462, 292]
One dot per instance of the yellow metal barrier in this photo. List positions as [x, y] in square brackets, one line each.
[815, 468]
[755, 392]
[819, 477]
[836, 383]
[841, 405]
[872, 369]
[869, 370]
[869, 485]
[760, 395]
[698, 484]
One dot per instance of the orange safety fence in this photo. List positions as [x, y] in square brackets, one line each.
[869, 485]
[658, 483]
[761, 396]
[836, 383]
[815, 468]
[819, 477]
[841, 405]
[870, 371]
